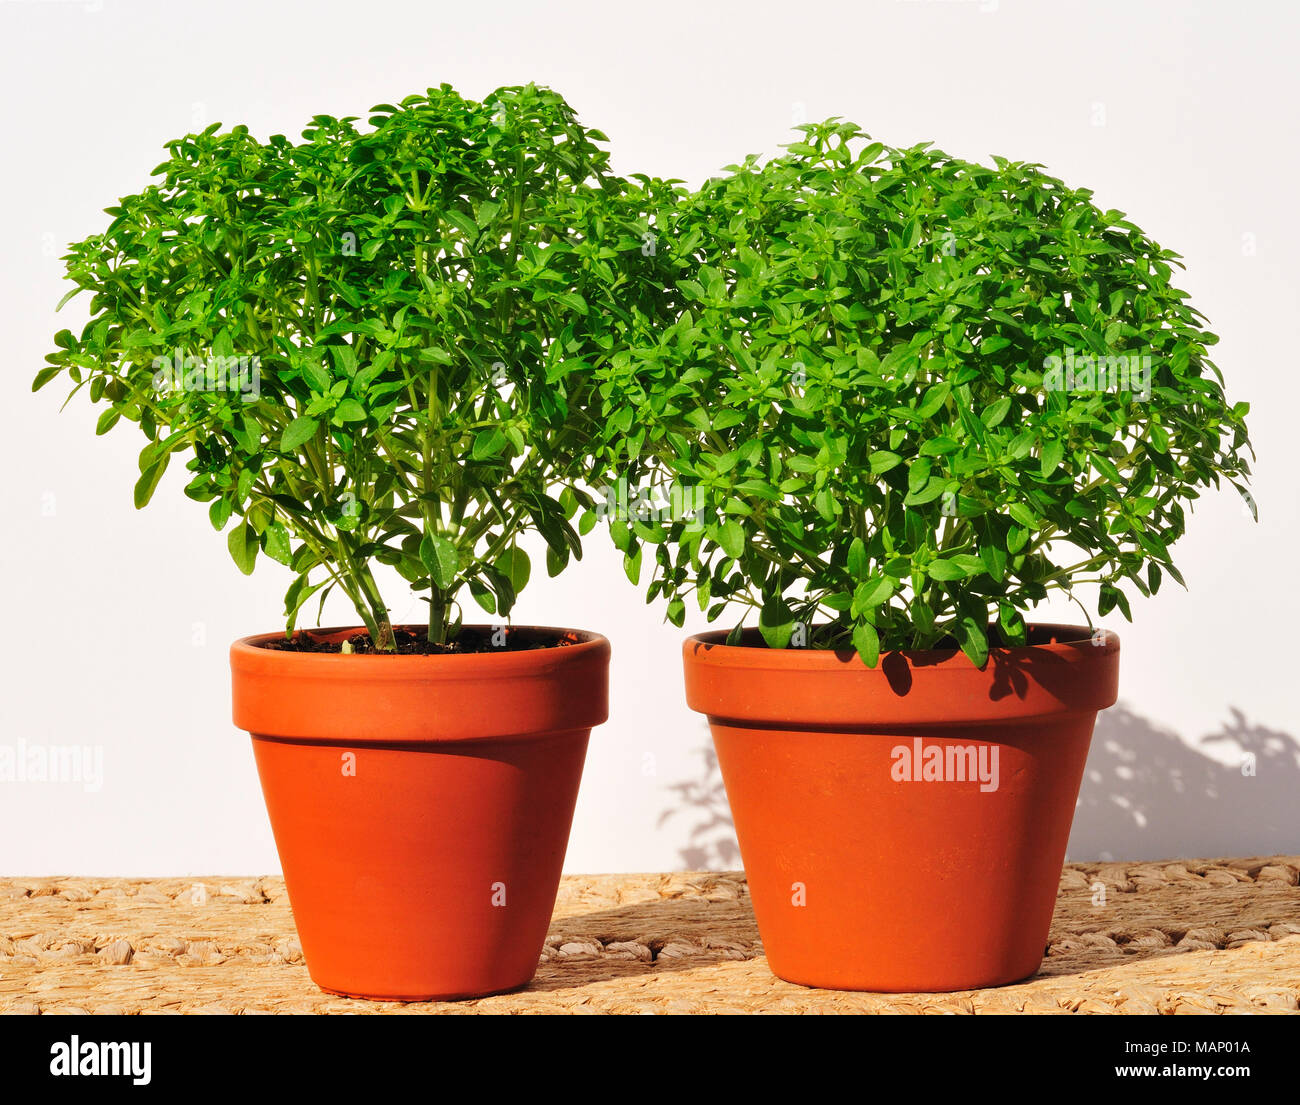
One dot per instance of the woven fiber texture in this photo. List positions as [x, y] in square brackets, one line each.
[1184, 936]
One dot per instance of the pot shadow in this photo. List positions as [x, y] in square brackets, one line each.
[696, 921]
[575, 975]
[1147, 794]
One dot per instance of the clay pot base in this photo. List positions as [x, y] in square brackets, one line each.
[406, 1000]
[903, 828]
[421, 805]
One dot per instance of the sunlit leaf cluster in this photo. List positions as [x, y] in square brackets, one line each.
[419, 304]
[868, 381]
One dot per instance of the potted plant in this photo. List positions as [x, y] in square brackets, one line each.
[374, 347]
[910, 398]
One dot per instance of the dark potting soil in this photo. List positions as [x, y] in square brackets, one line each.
[469, 640]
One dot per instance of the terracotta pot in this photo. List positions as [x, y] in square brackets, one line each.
[421, 805]
[903, 828]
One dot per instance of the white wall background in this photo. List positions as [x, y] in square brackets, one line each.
[117, 622]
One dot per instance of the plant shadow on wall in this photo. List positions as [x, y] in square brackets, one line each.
[1146, 794]
[1149, 794]
[711, 839]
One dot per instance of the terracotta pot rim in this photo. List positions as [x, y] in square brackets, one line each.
[815, 688]
[367, 699]
[247, 652]
[710, 648]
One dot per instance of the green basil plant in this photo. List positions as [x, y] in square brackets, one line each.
[377, 345]
[910, 397]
